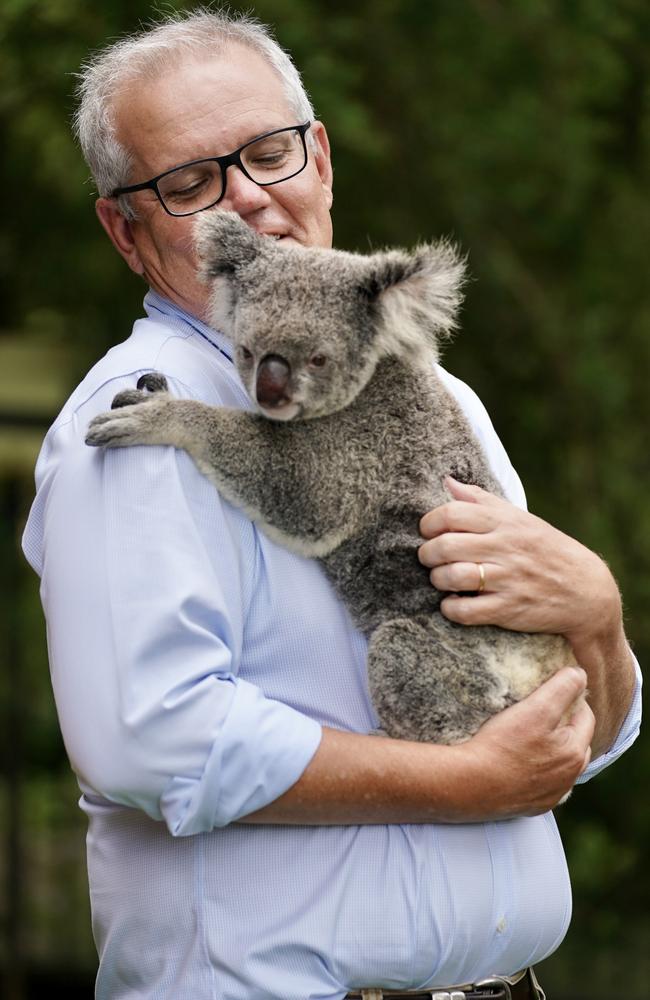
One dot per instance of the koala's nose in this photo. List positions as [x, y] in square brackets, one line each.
[273, 374]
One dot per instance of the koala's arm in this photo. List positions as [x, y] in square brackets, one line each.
[284, 477]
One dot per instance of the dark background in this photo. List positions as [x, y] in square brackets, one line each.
[521, 130]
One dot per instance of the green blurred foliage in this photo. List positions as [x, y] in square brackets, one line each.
[521, 128]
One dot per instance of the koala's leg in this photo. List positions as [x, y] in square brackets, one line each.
[427, 685]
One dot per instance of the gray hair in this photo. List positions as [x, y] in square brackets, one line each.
[145, 54]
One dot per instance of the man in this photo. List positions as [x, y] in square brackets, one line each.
[248, 838]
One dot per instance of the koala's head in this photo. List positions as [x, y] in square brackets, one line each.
[309, 325]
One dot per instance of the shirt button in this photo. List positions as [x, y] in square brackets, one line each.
[502, 923]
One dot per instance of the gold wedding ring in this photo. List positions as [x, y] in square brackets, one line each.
[481, 578]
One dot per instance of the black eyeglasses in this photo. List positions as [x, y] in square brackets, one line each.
[195, 186]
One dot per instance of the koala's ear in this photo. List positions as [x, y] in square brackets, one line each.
[417, 295]
[224, 243]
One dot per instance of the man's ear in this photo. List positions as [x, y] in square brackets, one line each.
[119, 232]
[417, 295]
[322, 159]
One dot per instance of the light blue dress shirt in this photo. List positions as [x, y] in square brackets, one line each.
[193, 663]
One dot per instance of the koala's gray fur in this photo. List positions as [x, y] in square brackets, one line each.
[353, 437]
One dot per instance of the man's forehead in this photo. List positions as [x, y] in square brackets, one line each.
[200, 105]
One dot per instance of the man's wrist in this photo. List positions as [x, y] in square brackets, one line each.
[603, 626]
[601, 648]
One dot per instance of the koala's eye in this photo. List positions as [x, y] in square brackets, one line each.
[318, 361]
[245, 353]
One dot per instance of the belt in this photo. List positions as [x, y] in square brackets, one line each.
[521, 986]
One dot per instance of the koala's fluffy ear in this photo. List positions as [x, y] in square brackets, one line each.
[224, 243]
[417, 294]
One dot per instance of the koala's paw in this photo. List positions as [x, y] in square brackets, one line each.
[147, 385]
[131, 424]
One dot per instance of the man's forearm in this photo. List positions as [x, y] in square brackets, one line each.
[521, 762]
[604, 654]
[370, 779]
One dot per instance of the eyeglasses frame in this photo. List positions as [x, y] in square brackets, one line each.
[224, 162]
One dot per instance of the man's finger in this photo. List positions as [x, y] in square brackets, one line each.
[464, 576]
[457, 516]
[472, 494]
[460, 547]
[482, 609]
[583, 722]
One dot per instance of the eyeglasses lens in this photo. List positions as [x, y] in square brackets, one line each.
[274, 158]
[191, 189]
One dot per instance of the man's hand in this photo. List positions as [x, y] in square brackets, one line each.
[530, 756]
[536, 579]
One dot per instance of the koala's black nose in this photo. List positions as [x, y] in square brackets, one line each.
[273, 374]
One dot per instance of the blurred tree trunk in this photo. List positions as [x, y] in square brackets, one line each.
[13, 711]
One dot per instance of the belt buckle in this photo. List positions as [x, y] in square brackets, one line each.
[495, 983]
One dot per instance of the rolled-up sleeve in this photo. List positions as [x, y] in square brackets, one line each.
[145, 586]
[626, 735]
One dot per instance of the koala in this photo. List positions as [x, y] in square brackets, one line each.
[350, 440]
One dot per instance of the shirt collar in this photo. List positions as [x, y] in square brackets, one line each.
[156, 303]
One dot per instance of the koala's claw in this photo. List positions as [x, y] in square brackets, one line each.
[128, 397]
[135, 424]
[152, 382]
[109, 429]
[147, 385]
[126, 425]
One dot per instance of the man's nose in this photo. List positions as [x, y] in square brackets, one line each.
[272, 383]
[242, 194]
